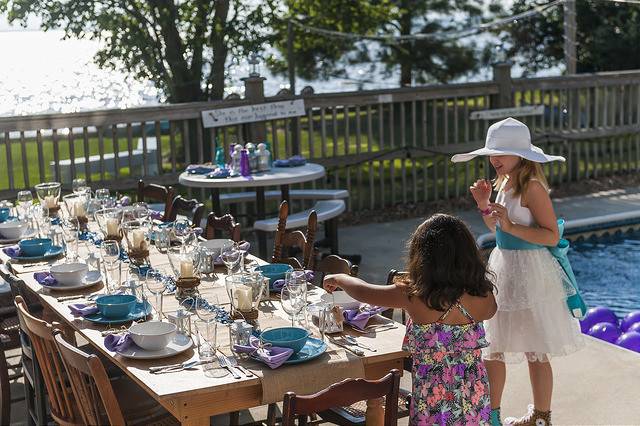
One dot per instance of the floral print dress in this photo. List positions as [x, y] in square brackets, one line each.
[450, 382]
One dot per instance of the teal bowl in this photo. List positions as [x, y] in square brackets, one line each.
[4, 214]
[274, 271]
[286, 337]
[35, 246]
[116, 306]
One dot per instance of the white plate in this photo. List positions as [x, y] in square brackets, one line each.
[92, 278]
[342, 299]
[179, 344]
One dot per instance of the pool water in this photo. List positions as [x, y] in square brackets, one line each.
[608, 271]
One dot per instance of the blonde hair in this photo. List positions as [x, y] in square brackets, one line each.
[526, 171]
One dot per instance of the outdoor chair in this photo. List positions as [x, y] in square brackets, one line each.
[190, 208]
[333, 264]
[105, 402]
[346, 392]
[218, 225]
[10, 364]
[286, 241]
[162, 195]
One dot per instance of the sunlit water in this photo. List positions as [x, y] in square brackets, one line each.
[608, 272]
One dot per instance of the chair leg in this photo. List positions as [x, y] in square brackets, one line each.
[234, 418]
[271, 414]
[40, 395]
[332, 234]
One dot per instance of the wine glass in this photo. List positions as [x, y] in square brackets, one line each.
[78, 183]
[156, 281]
[70, 236]
[231, 257]
[292, 299]
[182, 229]
[110, 251]
[40, 214]
[24, 201]
[102, 195]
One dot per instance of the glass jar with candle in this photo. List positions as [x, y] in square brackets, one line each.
[109, 221]
[76, 205]
[185, 271]
[245, 293]
[136, 234]
[49, 194]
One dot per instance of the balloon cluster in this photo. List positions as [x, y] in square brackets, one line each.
[602, 323]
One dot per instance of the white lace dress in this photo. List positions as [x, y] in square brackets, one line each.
[533, 319]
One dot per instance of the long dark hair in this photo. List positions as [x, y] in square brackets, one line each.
[444, 263]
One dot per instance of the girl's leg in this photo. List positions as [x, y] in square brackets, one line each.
[541, 376]
[497, 376]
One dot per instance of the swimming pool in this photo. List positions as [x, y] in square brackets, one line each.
[607, 269]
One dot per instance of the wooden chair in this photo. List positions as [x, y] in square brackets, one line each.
[191, 208]
[10, 364]
[226, 224]
[344, 393]
[393, 277]
[161, 194]
[285, 241]
[334, 264]
[100, 405]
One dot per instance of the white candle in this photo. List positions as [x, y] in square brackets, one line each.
[244, 295]
[186, 268]
[79, 209]
[138, 238]
[50, 201]
[112, 227]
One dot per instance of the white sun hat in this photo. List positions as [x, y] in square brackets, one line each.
[509, 137]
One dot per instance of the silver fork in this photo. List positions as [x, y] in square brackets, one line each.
[224, 364]
[233, 362]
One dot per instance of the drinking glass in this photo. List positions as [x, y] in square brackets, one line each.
[156, 281]
[182, 229]
[141, 211]
[70, 236]
[207, 341]
[231, 257]
[297, 277]
[24, 201]
[292, 299]
[40, 214]
[102, 195]
[78, 183]
[110, 251]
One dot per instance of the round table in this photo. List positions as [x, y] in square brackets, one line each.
[277, 176]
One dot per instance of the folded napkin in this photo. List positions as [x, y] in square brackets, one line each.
[156, 215]
[219, 173]
[199, 170]
[45, 278]
[273, 356]
[278, 284]
[125, 201]
[118, 342]
[13, 251]
[359, 318]
[244, 246]
[82, 309]
[295, 161]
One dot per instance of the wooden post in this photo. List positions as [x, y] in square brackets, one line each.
[254, 91]
[502, 76]
[570, 25]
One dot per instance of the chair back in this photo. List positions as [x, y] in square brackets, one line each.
[19, 288]
[284, 241]
[394, 276]
[334, 264]
[155, 192]
[61, 399]
[345, 393]
[226, 224]
[191, 208]
[90, 384]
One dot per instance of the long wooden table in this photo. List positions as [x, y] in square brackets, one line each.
[189, 395]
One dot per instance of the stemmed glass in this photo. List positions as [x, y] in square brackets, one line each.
[182, 229]
[78, 184]
[40, 214]
[110, 251]
[102, 195]
[292, 299]
[156, 281]
[231, 257]
[24, 201]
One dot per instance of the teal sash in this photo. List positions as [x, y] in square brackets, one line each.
[575, 302]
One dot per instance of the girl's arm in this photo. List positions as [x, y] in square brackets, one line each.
[539, 203]
[390, 296]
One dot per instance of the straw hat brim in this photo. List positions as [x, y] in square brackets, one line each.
[534, 154]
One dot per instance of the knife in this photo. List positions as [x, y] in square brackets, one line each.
[352, 349]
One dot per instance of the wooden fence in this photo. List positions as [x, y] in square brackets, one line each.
[384, 146]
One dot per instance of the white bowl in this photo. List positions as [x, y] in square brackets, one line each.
[12, 230]
[69, 273]
[342, 299]
[153, 335]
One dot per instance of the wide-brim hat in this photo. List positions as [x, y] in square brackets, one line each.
[509, 137]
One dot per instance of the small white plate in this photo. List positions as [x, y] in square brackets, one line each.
[342, 299]
[179, 344]
[92, 278]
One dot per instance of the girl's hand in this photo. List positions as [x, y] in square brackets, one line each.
[500, 213]
[481, 191]
[330, 283]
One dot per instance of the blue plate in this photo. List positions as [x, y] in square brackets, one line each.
[54, 251]
[139, 312]
[311, 350]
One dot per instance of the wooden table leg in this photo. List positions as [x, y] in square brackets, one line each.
[261, 214]
[375, 412]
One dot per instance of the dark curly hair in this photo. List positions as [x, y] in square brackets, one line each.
[444, 263]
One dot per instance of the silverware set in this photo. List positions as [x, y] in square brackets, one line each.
[174, 368]
[351, 348]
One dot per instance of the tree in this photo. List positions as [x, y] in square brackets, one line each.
[183, 46]
[608, 37]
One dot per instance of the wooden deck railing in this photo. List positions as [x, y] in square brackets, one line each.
[385, 146]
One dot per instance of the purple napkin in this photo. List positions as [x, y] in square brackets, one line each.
[82, 310]
[278, 284]
[13, 251]
[118, 342]
[156, 215]
[360, 317]
[45, 279]
[125, 201]
[273, 356]
[243, 246]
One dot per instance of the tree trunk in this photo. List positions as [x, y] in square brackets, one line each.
[219, 47]
[404, 53]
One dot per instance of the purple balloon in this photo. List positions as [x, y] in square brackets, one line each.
[596, 315]
[605, 331]
[630, 340]
[630, 319]
[634, 327]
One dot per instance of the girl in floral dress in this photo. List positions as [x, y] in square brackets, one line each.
[448, 292]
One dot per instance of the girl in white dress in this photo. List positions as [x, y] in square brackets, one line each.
[533, 320]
